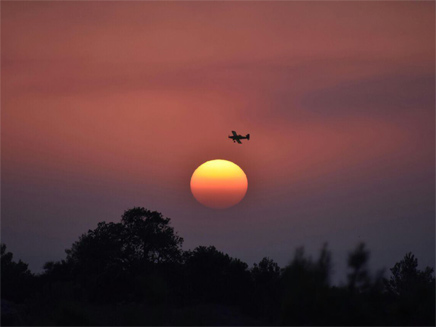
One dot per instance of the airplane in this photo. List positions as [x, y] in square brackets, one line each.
[237, 138]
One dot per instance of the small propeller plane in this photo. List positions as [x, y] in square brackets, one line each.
[237, 138]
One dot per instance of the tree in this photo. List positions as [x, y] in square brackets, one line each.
[412, 292]
[100, 249]
[363, 302]
[359, 278]
[109, 259]
[150, 237]
[142, 236]
[213, 276]
[406, 279]
[266, 271]
[306, 289]
[266, 290]
[16, 278]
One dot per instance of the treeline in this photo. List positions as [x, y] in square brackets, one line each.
[135, 273]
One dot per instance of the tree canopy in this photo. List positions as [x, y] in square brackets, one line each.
[142, 237]
[134, 272]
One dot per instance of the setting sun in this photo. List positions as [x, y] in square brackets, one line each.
[219, 184]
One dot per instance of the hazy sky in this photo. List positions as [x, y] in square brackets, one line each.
[111, 105]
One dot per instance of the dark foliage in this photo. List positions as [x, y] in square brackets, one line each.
[112, 260]
[213, 276]
[265, 299]
[16, 278]
[411, 292]
[306, 285]
[135, 273]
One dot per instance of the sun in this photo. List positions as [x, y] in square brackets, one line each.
[219, 184]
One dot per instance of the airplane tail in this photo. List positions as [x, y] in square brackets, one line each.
[248, 136]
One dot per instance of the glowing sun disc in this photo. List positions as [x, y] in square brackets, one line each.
[219, 184]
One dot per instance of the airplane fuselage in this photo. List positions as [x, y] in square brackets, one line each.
[237, 137]
[240, 137]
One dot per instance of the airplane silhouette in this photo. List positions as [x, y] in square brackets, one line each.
[237, 138]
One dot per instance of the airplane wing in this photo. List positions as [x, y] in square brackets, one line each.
[234, 133]
[238, 140]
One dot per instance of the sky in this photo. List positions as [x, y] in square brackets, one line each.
[110, 105]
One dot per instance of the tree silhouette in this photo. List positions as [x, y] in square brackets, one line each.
[412, 292]
[143, 236]
[266, 271]
[149, 236]
[134, 272]
[358, 279]
[113, 259]
[363, 303]
[266, 290]
[16, 278]
[57, 271]
[216, 277]
[407, 279]
[306, 289]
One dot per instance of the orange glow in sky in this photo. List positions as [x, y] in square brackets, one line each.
[219, 184]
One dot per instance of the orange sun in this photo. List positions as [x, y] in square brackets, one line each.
[219, 184]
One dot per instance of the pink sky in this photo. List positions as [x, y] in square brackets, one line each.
[110, 105]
